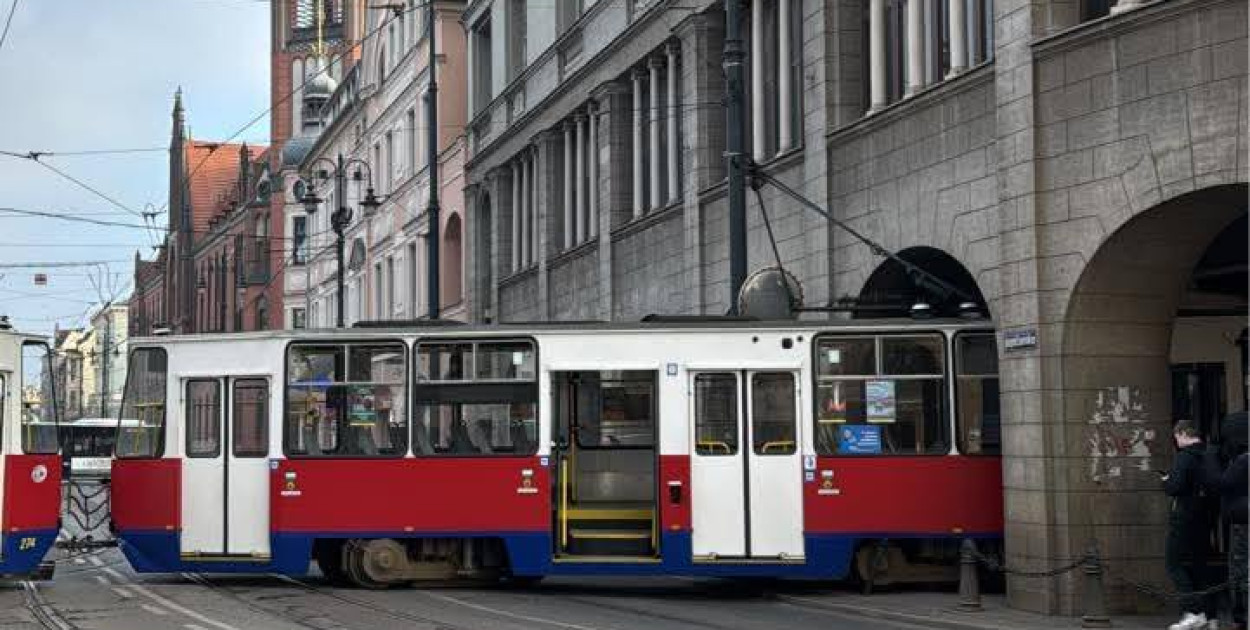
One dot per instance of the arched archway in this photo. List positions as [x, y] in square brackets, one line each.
[452, 279]
[893, 289]
[1109, 394]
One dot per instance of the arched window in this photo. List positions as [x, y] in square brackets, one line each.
[297, 95]
[382, 64]
[452, 279]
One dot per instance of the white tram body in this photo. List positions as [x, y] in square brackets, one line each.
[684, 447]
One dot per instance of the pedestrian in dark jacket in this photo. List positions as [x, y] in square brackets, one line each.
[1185, 554]
[1233, 484]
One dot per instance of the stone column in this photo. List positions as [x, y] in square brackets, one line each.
[536, 226]
[758, 92]
[915, 47]
[517, 196]
[579, 177]
[568, 185]
[876, 55]
[674, 113]
[592, 166]
[640, 202]
[654, 152]
[785, 78]
[526, 206]
[958, 37]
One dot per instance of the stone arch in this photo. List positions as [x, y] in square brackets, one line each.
[1109, 391]
[452, 279]
[891, 290]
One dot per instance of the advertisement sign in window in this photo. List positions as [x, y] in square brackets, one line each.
[859, 439]
[880, 403]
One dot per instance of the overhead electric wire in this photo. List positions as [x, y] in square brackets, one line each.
[23, 154]
[8, 22]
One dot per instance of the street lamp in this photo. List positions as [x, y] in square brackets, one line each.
[342, 216]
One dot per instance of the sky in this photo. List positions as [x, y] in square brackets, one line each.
[90, 75]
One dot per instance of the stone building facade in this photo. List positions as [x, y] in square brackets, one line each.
[1078, 169]
[376, 120]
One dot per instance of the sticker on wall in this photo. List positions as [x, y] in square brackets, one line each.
[1119, 438]
[809, 476]
[671, 369]
[809, 462]
[543, 461]
[39, 473]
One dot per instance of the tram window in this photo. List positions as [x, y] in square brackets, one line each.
[346, 401]
[444, 361]
[615, 409]
[141, 429]
[977, 395]
[249, 433]
[505, 361]
[203, 418]
[498, 428]
[897, 409]
[773, 414]
[716, 414]
[39, 418]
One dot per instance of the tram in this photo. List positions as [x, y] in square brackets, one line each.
[697, 447]
[30, 464]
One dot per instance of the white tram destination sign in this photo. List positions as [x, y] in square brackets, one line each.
[1024, 339]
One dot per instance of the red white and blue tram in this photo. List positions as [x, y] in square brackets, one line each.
[691, 447]
[30, 466]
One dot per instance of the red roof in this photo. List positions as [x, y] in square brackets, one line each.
[214, 173]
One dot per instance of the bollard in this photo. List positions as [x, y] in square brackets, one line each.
[1095, 605]
[969, 585]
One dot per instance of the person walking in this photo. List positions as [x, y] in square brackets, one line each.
[1185, 553]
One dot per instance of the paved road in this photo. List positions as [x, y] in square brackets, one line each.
[99, 592]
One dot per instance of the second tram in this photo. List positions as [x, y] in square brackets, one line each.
[30, 466]
[700, 448]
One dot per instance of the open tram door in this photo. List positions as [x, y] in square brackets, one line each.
[746, 471]
[225, 480]
[605, 459]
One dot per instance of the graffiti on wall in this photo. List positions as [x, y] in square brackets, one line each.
[1120, 437]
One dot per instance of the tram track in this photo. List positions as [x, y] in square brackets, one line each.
[44, 613]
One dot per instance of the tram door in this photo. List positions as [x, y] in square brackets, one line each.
[225, 481]
[746, 468]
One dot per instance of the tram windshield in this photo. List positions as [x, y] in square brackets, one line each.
[141, 422]
[38, 396]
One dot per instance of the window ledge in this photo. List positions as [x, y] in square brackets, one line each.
[645, 221]
[577, 251]
[902, 108]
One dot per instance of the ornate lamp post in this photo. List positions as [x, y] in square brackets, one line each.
[342, 216]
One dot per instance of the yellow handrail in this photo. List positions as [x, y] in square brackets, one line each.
[564, 504]
[781, 444]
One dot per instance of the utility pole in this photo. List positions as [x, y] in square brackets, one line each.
[104, 363]
[735, 153]
[431, 106]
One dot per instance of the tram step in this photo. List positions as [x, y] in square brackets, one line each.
[609, 534]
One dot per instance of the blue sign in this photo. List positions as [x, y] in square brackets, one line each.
[859, 439]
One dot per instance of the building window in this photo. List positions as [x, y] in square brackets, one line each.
[453, 261]
[414, 158]
[954, 36]
[299, 238]
[299, 318]
[516, 38]
[414, 281]
[390, 288]
[390, 159]
[775, 71]
[483, 84]
[377, 291]
[377, 166]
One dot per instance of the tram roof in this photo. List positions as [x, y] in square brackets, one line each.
[677, 323]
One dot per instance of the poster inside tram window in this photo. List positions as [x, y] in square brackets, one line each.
[881, 401]
[859, 439]
[832, 403]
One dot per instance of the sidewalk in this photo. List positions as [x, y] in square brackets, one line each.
[937, 610]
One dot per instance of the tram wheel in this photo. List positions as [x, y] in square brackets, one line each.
[329, 557]
[354, 552]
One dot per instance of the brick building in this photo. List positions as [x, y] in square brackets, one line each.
[1078, 168]
[213, 271]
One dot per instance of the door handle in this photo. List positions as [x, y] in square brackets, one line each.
[674, 492]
